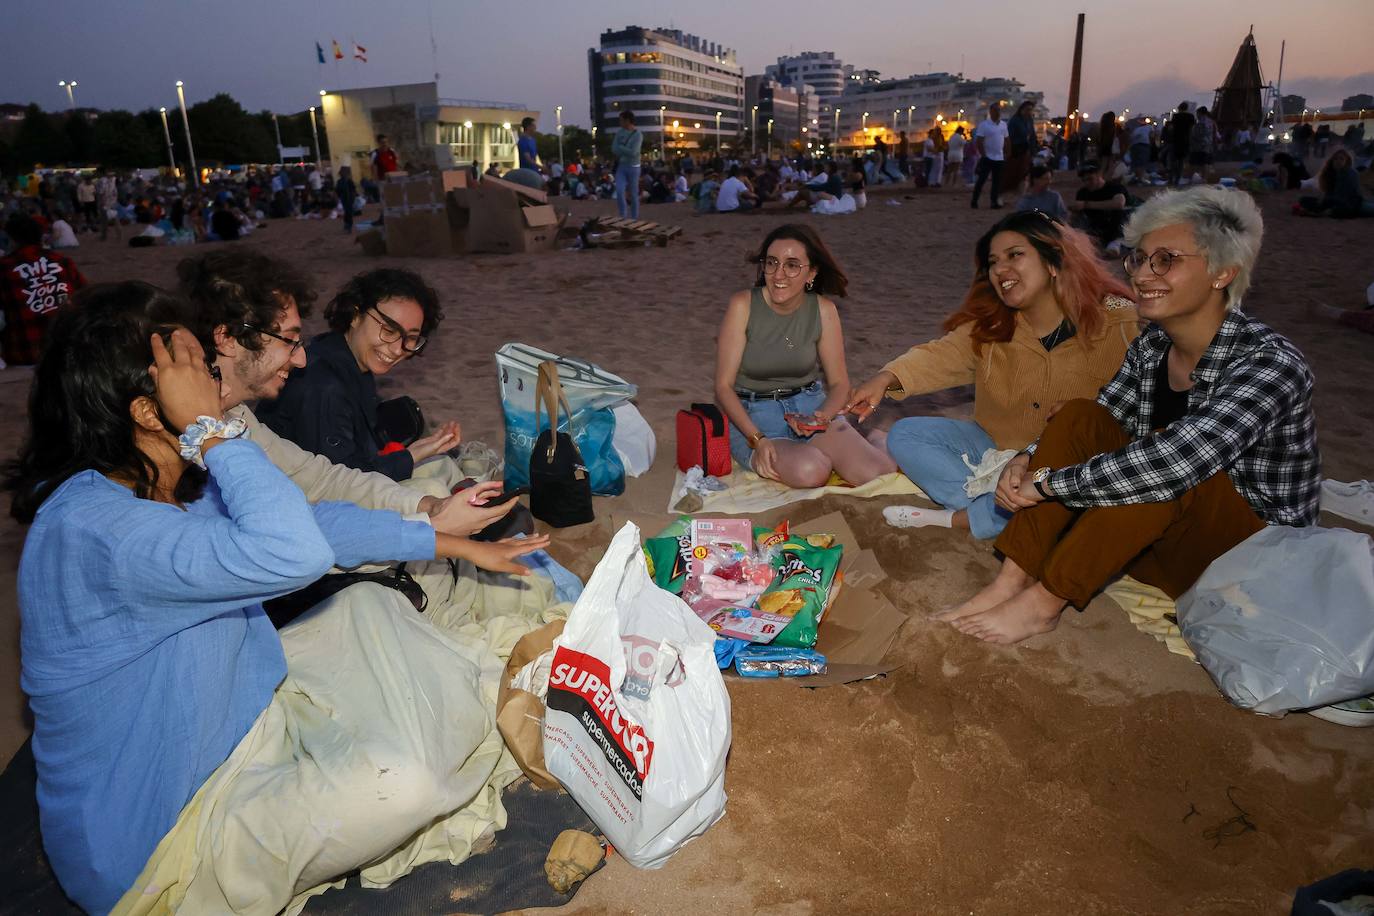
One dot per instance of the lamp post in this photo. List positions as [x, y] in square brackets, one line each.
[836, 140]
[275, 126]
[910, 110]
[558, 116]
[718, 114]
[69, 85]
[894, 120]
[754, 132]
[316, 134]
[186, 123]
[318, 163]
[662, 135]
[770, 138]
[167, 135]
[865, 128]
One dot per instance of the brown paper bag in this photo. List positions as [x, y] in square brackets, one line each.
[520, 714]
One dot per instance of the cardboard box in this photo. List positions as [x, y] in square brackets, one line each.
[417, 219]
[501, 223]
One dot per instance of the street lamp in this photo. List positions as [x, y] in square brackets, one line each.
[69, 85]
[837, 127]
[316, 134]
[770, 138]
[275, 126]
[558, 117]
[662, 138]
[318, 163]
[186, 123]
[910, 110]
[167, 135]
[865, 128]
[894, 120]
[754, 132]
[718, 134]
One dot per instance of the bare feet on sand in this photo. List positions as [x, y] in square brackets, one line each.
[1011, 581]
[1034, 610]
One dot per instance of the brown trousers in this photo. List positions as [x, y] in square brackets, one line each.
[1075, 553]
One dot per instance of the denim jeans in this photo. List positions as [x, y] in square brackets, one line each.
[627, 177]
[989, 167]
[767, 416]
[930, 451]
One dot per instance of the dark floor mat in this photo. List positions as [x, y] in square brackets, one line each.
[509, 876]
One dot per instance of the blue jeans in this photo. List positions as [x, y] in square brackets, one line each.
[627, 176]
[929, 450]
[767, 416]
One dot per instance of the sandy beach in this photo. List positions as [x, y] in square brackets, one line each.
[1086, 771]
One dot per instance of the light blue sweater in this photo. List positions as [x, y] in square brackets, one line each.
[146, 653]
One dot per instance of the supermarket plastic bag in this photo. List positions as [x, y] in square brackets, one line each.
[1285, 619]
[591, 391]
[634, 440]
[638, 720]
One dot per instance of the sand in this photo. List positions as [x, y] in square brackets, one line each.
[1086, 771]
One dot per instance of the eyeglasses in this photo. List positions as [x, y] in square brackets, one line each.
[215, 373]
[1161, 261]
[391, 332]
[790, 268]
[295, 343]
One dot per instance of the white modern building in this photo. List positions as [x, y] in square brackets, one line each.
[822, 70]
[916, 103]
[686, 92]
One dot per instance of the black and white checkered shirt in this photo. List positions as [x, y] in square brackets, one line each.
[1249, 413]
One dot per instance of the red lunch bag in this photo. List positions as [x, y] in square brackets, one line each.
[703, 440]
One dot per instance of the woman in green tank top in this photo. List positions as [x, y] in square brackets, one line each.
[780, 369]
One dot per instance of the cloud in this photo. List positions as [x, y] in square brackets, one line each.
[1155, 95]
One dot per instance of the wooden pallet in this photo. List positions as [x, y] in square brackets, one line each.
[629, 232]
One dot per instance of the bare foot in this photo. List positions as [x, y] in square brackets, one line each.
[1035, 610]
[1011, 581]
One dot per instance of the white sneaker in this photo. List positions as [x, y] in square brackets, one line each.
[1356, 713]
[1354, 501]
[917, 517]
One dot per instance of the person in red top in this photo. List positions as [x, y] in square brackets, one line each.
[384, 159]
[34, 284]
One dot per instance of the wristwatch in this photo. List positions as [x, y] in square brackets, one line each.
[1038, 478]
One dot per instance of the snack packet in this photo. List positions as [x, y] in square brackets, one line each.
[801, 589]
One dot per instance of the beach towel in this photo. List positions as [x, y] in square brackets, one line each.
[378, 753]
[1151, 611]
[746, 493]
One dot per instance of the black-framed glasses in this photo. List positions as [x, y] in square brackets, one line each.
[791, 268]
[215, 373]
[391, 332]
[295, 343]
[1160, 261]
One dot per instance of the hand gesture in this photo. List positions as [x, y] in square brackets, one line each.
[447, 436]
[766, 458]
[185, 388]
[866, 398]
[465, 512]
[499, 556]
[1009, 484]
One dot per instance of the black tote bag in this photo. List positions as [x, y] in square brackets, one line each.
[560, 487]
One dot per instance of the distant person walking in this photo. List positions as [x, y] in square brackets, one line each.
[625, 148]
[954, 156]
[992, 143]
[348, 195]
[1180, 139]
[1022, 142]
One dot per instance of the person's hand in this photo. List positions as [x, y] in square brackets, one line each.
[499, 556]
[1008, 494]
[1028, 492]
[866, 398]
[447, 436]
[765, 459]
[185, 388]
[466, 512]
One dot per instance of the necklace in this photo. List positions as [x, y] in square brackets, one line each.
[1055, 337]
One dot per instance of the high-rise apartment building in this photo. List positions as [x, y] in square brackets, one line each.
[821, 70]
[686, 92]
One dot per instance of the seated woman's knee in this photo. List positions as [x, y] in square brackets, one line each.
[808, 468]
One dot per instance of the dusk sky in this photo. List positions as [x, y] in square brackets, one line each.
[1145, 55]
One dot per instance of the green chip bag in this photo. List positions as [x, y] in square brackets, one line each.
[668, 558]
[801, 589]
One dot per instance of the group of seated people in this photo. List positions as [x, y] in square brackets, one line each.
[164, 511]
[1149, 453]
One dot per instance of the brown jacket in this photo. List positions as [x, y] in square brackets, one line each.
[1017, 382]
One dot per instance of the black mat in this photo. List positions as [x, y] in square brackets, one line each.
[507, 877]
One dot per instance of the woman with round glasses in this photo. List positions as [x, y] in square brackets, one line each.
[377, 320]
[1042, 322]
[1204, 436]
[780, 369]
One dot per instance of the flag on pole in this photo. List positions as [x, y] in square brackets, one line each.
[338, 52]
[319, 52]
[359, 52]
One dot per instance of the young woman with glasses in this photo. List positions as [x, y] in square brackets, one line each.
[1042, 322]
[780, 369]
[377, 320]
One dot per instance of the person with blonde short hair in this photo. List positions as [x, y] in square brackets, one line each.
[1205, 435]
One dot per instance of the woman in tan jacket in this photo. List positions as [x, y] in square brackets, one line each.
[1044, 321]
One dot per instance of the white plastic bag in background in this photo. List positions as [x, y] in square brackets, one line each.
[1285, 619]
[638, 721]
[634, 439]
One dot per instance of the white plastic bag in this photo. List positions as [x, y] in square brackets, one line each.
[634, 439]
[638, 721]
[1285, 619]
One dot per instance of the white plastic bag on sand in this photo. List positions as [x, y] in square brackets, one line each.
[831, 207]
[1285, 619]
[634, 439]
[638, 721]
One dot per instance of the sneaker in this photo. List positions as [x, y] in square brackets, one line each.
[1357, 713]
[1354, 501]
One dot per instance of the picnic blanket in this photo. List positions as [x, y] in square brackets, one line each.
[747, 493]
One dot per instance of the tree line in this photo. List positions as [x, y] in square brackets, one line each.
[222, 132]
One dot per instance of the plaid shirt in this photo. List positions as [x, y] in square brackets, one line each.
[34, 284]
[1249, 414]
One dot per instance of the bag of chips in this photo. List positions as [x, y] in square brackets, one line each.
[806, 570]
